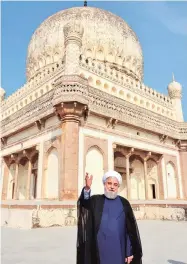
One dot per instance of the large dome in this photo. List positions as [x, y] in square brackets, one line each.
[106, 37]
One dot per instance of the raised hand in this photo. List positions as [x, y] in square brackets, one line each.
[88, 181]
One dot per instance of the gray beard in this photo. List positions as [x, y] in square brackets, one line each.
[110, 195]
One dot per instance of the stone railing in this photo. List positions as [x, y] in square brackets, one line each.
[75, 89]
[124, 77]
[30, 92]
[39, 79]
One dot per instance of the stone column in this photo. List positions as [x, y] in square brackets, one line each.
[70, 114]
[73, 32]
[146, 180]
[40, 148]
[183, 164]
[147, 156]
[5, 181]
[16, 182]
[127, 156]
[128, 178]
[111, 148]
[160, 179]
[28, 190]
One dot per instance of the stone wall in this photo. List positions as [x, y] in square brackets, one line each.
[42, 216]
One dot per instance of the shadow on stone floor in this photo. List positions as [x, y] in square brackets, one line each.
[171, 261]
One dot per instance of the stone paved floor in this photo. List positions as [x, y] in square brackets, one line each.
[163, 242]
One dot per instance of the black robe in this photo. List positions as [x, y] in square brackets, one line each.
[89, 219]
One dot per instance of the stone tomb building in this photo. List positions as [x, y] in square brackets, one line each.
[85, 108]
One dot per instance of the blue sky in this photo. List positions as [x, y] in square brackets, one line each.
[160, 26]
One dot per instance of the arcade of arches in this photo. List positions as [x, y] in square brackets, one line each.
[141, 172]
[21, 175]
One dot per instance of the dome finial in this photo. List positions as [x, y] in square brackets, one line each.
[85, 3]
[173, 77]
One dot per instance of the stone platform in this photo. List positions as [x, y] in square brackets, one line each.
[36, 214]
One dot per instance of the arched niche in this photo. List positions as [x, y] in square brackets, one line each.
[23, 178]
[171, 181]
[137, 178]
[95, 167]
[11, 182]
[52, 174]
[152, 175]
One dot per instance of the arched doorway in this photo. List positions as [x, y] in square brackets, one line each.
[137, 178]
[94, 166]
[152, 175]
[52, 175]
[171, 181]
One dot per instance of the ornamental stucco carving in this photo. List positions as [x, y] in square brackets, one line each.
[106, 37]
[74, 88]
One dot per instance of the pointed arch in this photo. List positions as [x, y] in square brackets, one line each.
[171, 180]
[52, 174]
[95, 167]
[11, 183]
[137, 178]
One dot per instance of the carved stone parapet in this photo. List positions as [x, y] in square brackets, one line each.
[75, 89]
[71, 111]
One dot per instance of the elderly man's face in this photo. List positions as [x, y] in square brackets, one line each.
[112, 184]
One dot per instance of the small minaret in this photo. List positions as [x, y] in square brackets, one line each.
[175, 93]
[73, 32]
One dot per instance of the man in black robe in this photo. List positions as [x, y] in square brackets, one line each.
[107, 229]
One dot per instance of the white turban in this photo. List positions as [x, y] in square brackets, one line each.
[112, 174]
